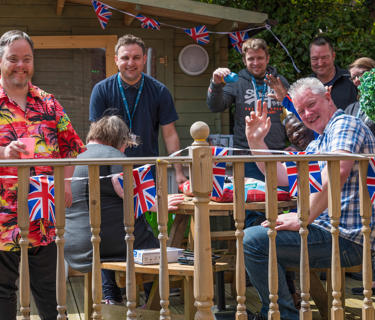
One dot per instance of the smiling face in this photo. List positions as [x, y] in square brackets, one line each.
[315, 110]
[17, 65]
[322, 59]
[256, 62]
[130, 61]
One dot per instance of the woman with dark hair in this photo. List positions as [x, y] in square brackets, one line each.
[107, 138]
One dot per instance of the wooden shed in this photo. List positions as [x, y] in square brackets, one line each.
[73, 52]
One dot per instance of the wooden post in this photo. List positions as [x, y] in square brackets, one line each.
[271, 214]
[162, 217]
[60, 230]
[303, 213]
[365, 205]
[95, 221]
[239, 218]
[334, 211]
[129, 238]
[201, 187]
[23, 224]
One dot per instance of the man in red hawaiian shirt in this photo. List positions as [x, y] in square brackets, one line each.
[27, 111]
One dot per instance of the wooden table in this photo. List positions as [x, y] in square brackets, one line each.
[176, 272]
[186, 209]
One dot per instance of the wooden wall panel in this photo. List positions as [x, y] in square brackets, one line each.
[38, 18]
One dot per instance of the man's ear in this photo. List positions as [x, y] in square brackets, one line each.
[328, 93]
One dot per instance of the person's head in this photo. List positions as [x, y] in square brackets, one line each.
[359, 67]
[130, 58]
[255, 56]
[322, 58]
[313, 103]
[111, 131]
[298, 134]
[16, 59]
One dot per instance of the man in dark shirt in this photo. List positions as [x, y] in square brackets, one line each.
[143, 102]
[322, 60]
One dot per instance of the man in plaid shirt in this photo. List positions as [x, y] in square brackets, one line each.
[338, 133]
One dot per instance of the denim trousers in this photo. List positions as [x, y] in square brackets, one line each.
[112, 292]
[288, 255]
[42, 268]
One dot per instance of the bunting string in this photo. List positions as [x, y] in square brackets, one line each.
[199, 34]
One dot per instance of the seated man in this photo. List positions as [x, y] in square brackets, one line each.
[339, 133]
[107, 138]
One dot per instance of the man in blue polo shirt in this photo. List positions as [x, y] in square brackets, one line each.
[142, 101]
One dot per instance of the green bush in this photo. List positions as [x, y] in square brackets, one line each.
[349, 24]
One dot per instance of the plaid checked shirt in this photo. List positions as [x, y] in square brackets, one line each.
[347, 133]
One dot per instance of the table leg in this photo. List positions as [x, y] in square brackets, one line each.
[88, 296]
[177, 232]
[189, 309]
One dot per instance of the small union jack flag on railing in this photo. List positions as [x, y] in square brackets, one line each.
[218, 172]
[144, 189]
[148, 23]
[371, 179]
[199, 34]
[237, 39]
[41, 198]
[102, 12]
[315, 178]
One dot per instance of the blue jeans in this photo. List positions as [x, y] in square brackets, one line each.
[288, 255]
[109, 287]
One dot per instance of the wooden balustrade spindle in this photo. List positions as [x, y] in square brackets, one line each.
[23, 224]
[271, 215]
[239, 218]
[334, 211]
[201, 187]
[303, 213]
[95, 221]
[129, 238]
[162, 218]
[60, 230]
[366, 211]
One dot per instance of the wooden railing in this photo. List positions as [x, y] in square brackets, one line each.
[200, 162]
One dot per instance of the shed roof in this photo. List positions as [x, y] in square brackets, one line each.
[218, 16]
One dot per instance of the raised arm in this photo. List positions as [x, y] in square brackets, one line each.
[218, 98]
[257, 127]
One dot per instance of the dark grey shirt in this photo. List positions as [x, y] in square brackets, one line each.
[78, 247]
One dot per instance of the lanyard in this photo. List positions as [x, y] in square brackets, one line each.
[264, 89]
[126, 106]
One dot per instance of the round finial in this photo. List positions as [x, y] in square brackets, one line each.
[199, 131]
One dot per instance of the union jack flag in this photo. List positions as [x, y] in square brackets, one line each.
[199, 34]
[371, 179]
[102, 12]
[41, 198]
[218, 172]
[315, 178]
[237, 39]
[144, 189]
[148, 23]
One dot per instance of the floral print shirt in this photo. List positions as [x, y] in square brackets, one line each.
[45, 120]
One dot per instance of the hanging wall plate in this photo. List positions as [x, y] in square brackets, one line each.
[193, 59]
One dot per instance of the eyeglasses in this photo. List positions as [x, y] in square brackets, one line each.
[357, 76]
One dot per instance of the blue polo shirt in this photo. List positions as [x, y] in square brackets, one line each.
[155, 108]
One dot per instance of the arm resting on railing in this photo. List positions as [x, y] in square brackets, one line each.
[318, 201]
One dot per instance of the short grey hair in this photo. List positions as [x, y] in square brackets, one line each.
[314, 84]
[10, 36]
